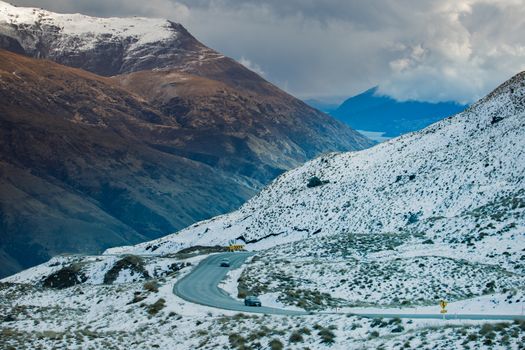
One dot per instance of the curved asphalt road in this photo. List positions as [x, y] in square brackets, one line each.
[200, 286]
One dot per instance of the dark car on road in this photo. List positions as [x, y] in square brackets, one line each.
[225, 263]
[252, 301]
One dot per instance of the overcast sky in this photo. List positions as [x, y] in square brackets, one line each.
[429, 50]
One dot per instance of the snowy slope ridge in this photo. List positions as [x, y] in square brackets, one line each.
[84, 31]
[438, 175]
[126, 44]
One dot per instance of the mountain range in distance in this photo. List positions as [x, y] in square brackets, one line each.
[381, 117]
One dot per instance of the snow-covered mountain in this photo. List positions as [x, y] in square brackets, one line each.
[446, 183]
[126, 44]
[209, 110]
[436, 214]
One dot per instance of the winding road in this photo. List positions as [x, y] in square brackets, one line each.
[201, 286]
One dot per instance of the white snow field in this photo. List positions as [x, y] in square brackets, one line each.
[133, 41]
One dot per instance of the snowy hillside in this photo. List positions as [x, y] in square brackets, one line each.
[460, 180]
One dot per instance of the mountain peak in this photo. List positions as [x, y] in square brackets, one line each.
[374, 112]
[141, 30]
[129, 44]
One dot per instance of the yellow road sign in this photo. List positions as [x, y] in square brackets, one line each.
[443, 304]
[235, 247]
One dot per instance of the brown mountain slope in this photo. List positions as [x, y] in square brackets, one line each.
[156, 50]
[233, 119]
[256, 135]
[173, 133]
[79, 170]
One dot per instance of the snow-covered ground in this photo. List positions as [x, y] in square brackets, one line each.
[230, 285]
[390, 272]
[96, 268]
[494, 304]
[135, 315]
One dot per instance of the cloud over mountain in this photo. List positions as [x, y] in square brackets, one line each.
[423, 50]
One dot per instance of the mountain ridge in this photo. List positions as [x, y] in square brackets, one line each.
[210, 120]
[127, 44]
[78, 161]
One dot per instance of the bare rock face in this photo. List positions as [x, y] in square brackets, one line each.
[254, 134]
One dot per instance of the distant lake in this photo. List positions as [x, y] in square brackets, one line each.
[375, 135]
